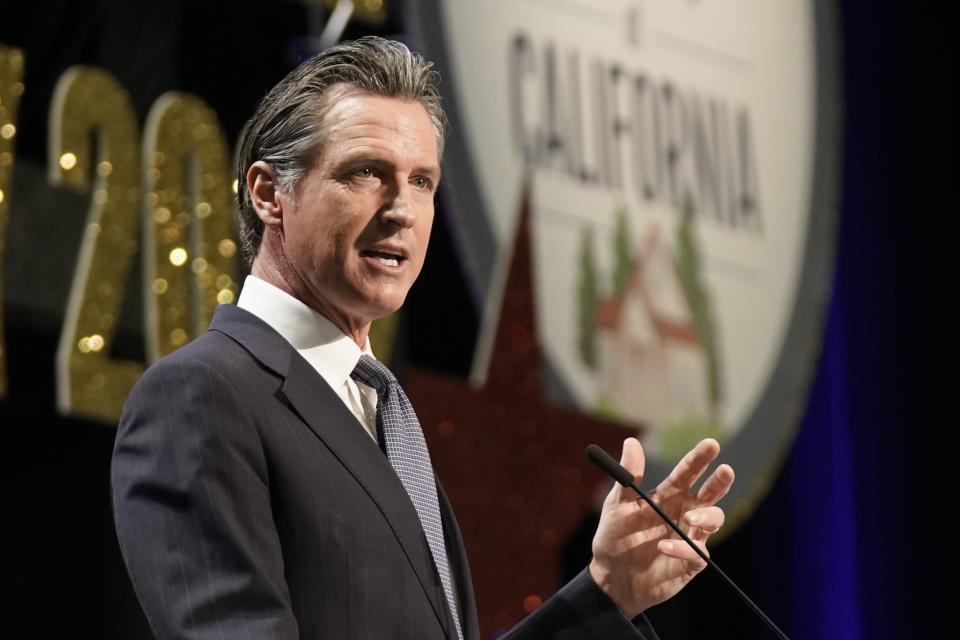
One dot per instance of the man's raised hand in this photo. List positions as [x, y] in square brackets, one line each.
[638, 561]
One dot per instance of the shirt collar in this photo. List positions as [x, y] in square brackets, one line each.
[319, 341]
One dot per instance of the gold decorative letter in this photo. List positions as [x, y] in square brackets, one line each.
[89, 104]
[11, 71]
[189, 232]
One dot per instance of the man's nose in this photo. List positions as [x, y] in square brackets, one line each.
[398, 210]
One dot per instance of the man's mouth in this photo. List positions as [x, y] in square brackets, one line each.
[387, 257]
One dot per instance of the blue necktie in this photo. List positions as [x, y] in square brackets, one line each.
[400, 434]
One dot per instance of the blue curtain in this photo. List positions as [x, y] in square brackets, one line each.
[865, 506]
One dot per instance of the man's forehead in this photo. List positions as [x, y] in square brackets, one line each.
[344, 95]
[338, 117]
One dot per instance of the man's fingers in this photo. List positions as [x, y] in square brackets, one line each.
[693, 464]
[703, 522]
[681, 551]
[633, 460]
[717, 485]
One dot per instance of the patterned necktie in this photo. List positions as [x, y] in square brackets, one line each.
[400, 433]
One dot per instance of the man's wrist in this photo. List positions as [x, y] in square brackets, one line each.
[601, 575]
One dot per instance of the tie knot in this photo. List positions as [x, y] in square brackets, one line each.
[373, 373]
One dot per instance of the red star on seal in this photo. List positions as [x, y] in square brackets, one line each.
[511, 462]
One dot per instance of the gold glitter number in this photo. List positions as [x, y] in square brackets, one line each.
[11, 72]
[190, 259]
[94, 148]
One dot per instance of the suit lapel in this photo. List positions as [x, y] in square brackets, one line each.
[461, 568]
[324, 413]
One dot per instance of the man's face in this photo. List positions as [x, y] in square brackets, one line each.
[355, 233]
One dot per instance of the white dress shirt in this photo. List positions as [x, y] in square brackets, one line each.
[322, 344]
[319, 341]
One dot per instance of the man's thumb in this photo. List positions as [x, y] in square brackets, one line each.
[633, 459]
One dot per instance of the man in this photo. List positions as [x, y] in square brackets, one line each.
[251, 492]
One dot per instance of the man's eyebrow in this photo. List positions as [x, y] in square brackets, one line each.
[434, 171]
[362, 155]
[365, 156]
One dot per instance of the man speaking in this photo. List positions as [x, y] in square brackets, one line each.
[270, 479]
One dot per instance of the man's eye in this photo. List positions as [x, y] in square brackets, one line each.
[365, 172]
[421, 183]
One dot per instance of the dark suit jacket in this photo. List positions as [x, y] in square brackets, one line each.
[250, 504]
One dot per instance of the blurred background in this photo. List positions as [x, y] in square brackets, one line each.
[834, 527]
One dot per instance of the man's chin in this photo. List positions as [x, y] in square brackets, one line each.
[381, 305]
[385, 310]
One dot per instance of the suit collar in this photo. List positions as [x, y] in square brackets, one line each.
[328, 350]
[254, 335]
[305, 391]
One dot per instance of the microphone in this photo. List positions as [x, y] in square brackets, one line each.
[615, 470]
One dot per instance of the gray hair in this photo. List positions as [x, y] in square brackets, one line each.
[286, 129]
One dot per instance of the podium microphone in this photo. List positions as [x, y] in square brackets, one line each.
[612, 468]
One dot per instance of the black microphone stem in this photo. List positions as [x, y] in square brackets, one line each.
[616, 471]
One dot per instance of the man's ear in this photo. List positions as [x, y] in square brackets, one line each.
[265, 193]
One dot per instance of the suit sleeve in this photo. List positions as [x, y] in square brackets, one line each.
[580, 610]
[192, 508]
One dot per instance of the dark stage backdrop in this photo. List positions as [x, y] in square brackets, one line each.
[842, 545]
